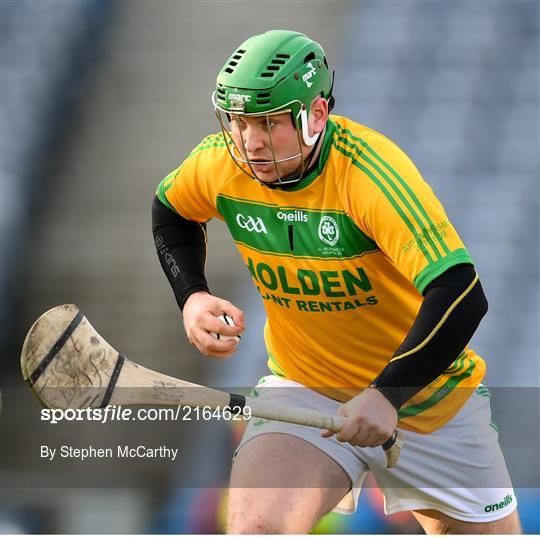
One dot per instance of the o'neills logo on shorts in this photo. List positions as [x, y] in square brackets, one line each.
[501, 505]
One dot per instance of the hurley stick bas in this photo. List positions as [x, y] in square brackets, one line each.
[68, 364]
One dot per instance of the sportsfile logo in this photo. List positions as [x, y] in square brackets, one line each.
[292, 216]
[251, 224]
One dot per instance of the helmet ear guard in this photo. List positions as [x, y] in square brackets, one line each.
[304, 123]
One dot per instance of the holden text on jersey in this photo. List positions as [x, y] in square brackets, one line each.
[311, 283]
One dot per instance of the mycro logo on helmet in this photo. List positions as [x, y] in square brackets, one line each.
[239, 97]
[308, 75]
[292, 216]
[251, 224]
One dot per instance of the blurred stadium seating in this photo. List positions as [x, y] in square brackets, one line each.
[46, 50]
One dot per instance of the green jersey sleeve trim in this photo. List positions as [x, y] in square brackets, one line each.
[433, 270]
[442, 392]
[274, 367]
[163, 186]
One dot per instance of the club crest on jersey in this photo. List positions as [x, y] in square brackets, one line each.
[328, 230]
[251, 224]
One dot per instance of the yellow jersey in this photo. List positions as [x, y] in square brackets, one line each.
[340, 261]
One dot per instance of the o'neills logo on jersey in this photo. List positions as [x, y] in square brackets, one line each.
[251, 224]
[292, 216]
[328, 230]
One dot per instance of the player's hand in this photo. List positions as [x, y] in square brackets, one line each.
[200, 320]
[370, 420]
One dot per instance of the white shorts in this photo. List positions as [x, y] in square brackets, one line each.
[459, 469]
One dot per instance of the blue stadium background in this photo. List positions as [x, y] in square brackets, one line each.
[101, 99]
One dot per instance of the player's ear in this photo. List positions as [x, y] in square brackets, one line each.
[318, 114]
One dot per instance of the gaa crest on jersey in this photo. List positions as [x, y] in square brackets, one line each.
[328, 230]
[251, 224]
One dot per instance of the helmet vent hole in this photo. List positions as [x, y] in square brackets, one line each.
[240, 51]
[237, 57]
[309, 57]
[228, 70]
[263, 98]
[275, 65]
[234, 64]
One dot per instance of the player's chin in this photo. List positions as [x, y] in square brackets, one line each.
[270, 175]
[267, 176]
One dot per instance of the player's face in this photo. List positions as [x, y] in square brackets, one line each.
[256, 136]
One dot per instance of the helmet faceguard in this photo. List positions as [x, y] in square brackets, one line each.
[273, 73]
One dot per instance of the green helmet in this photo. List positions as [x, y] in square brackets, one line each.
[272, 73]
[275, 71]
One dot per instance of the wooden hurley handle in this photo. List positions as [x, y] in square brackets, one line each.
[314, 418]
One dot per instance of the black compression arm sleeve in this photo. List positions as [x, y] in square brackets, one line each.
[453, 306]
[181, 248]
